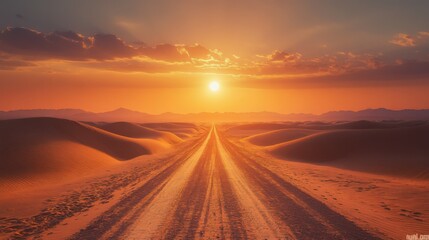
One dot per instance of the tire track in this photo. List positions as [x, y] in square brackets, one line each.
[185, 220]
[113, 223]
[211, 215]
[260, 222]
[230, 203]
[288, 202]
[218, 190]
[208, 207]
[151, 221]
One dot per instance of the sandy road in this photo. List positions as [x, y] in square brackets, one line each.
[216, 191]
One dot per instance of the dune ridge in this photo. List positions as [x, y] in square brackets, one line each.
[180, 129]
[317, 125]
[398, 151]
[38, 147]
[134, 130]
[278, 136]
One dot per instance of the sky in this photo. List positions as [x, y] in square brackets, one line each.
[160, 56]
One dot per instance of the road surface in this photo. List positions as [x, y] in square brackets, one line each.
[215, 191]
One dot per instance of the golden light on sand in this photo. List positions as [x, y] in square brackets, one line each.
[214, 86]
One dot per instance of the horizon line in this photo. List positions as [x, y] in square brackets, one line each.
[216, 112]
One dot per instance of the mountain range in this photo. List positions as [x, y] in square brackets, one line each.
[123, 114]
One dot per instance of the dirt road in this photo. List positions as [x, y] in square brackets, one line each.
[216, 191]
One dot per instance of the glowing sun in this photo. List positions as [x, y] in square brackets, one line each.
[214, 86]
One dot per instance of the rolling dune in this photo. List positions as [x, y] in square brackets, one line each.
[182, 130]
[363, 124]
[38, 147]
[213, 186]
[254, 128]
[278, 136]
[261, 126]
[133, 130]
[399, 151]
[249, 129]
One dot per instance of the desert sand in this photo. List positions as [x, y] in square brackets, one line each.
[137, 131]
[64, 179]
[183, 130]
[400, 149]
[375, 173]
[41, 150]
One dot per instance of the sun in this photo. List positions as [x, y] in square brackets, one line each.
[214, 86]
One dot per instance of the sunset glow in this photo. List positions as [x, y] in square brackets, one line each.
[308, 54]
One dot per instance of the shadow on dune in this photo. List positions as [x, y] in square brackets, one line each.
[36, 145]
[137, 131]
[397, 151]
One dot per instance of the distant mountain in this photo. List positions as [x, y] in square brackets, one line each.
[56, 113]
[123, 114]
[376, 115]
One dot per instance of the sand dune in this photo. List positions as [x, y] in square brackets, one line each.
[352, 125]
[369, 125]
[317, 125]
[137, 131]
[261, 126]
[398, 151]
[278, 136]
[39, 146]
[245, 130]
[182, 130]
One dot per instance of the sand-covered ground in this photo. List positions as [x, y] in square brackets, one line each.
[63, 179]
[375, 173]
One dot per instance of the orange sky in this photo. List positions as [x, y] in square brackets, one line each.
[307, 61]
[99, 91]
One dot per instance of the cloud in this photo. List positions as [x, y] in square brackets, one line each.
[399, 74]
[141, 64]
[402, 73]
[280, 62]
[284, 56]
[62, 45]
[181, 53]
[23, 47]
[27, 42]
[144, 64]
[198, 51]
[108, 46]
[108, 50]
[423, 34]
[11, 64]
[74, 46]
[166, 52]
[341, 69]
[403, 40]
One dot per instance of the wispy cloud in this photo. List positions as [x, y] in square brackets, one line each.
[403, 40]
[406, 40]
